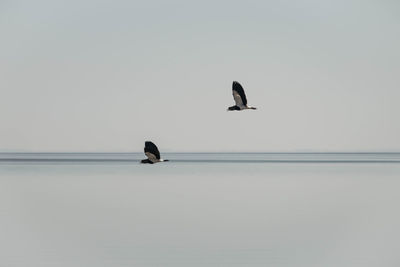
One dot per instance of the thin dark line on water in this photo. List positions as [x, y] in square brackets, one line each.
[213, 153]
[30, 160]
[65, 160]
[289, 161]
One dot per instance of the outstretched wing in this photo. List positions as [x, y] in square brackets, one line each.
[238, 94]
[151, 150]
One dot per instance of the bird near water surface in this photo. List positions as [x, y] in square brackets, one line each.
[240, 98]
[152, 153]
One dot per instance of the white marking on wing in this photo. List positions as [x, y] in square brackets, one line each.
[151, 157]
[237, 98]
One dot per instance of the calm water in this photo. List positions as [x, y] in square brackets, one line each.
[261, 209]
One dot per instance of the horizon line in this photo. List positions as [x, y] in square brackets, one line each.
[205, 152]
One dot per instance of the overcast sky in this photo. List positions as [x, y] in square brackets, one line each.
[107, 75]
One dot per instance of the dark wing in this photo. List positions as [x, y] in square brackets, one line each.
[237, 91]
[150, 147]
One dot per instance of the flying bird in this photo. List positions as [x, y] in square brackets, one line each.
[152, 153]
[240, 98]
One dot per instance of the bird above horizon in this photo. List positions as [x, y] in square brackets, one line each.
[240, 98]
[152, 153]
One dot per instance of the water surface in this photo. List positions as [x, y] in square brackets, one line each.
[261, 209]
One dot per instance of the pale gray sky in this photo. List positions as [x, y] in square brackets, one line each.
[107, 75]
